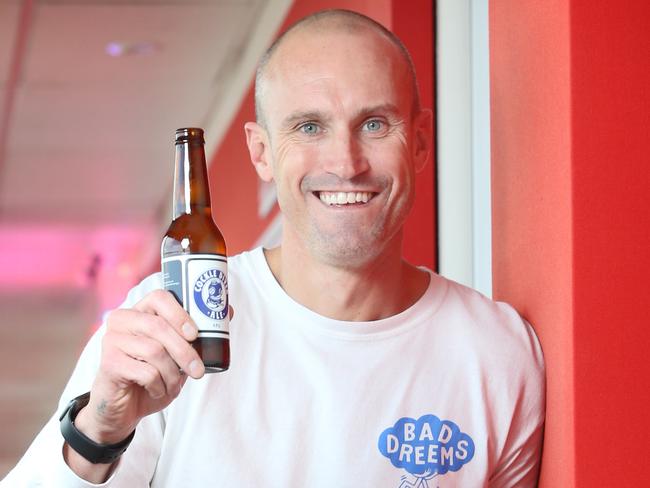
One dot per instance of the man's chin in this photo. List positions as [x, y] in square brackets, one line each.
[345, 254]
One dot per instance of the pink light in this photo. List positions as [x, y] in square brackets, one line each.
[54, 256]
[119, 49]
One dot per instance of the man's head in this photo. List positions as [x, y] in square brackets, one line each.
[344, 20]
[342, 134]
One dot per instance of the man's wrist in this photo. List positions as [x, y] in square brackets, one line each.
[85, 424]
[86, 446]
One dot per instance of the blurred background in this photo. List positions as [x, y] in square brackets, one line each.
[92, 92]
[536, 193]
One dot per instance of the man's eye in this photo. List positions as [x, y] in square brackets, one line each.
[373, 125]
[309, 128]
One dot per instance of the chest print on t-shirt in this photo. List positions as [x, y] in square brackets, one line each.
[426, 448]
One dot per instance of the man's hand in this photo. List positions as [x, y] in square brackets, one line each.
[146, 357]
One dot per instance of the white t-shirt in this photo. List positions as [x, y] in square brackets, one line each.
[448, 393]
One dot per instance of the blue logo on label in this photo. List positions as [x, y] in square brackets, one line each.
[426, 447]
[211, 294]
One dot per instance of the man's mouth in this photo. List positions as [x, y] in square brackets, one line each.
[344, 197]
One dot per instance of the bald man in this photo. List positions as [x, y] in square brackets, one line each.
[351, 366]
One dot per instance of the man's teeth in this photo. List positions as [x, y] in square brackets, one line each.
[343, 198]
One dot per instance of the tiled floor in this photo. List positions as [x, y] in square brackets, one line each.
[40, 339]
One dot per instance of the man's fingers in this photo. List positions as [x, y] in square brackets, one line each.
[155, 327]
[163, 304]
[150, 351]
[125, 368]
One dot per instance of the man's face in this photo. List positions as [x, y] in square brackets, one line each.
[342, 143]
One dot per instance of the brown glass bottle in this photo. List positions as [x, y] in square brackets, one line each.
[193, 253]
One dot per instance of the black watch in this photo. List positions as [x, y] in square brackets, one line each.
[89, 449]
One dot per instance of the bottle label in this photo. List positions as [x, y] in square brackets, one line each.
[200, 284]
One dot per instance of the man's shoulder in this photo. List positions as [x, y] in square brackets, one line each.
[482, 320]
[477, 306]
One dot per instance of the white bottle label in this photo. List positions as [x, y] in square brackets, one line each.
[200, 284]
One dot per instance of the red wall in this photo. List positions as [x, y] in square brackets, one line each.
[570, 185]
[413, 23]
[610, 65]
[235, 203]
[531, 188]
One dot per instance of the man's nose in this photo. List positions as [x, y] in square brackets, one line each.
[345, 157]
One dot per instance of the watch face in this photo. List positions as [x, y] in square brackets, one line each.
[66, 410]
[78, 403]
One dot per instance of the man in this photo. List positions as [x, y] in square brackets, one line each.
[351, 367]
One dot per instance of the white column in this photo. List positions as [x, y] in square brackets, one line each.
[463, 137]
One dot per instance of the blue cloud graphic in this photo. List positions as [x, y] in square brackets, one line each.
[426, 446]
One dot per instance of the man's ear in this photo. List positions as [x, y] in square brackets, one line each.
[259, 148]
[423, 135]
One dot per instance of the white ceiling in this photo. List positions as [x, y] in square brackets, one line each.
[87, 159]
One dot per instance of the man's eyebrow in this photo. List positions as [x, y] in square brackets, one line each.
[302, 116]
[384, 108]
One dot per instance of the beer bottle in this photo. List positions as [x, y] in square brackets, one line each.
[193, 253]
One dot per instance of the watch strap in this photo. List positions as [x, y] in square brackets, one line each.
[86, 447]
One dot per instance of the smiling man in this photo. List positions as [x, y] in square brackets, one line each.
[341, 133]
[351, 366]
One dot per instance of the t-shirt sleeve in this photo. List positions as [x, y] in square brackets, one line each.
[43, 465]
[519, 463]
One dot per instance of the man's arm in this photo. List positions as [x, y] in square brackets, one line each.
[145, 352]
[93, 472]
[519, 467]
[136, 361]
[520, 460]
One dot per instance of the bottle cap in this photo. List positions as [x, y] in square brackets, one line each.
[187, 134]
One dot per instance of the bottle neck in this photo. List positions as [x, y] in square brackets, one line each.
[191, 189]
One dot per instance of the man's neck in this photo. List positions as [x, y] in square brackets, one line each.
[386, 286]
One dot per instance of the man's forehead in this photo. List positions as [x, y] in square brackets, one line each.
[315, 61]
[315, 44]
